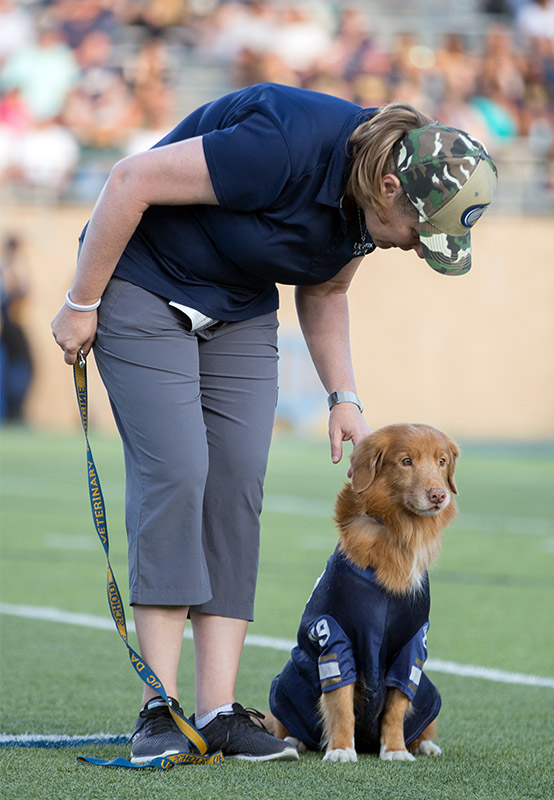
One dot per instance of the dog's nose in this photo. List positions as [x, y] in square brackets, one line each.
[437, 495]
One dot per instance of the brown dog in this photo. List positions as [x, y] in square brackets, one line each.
[357, 669]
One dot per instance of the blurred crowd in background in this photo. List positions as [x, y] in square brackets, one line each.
[84, 82]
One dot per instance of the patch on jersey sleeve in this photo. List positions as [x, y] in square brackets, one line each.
[407, 669]
[415, 676]
[335, 663]
[329, 670]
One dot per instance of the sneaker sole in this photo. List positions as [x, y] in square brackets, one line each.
[290, 754]
[144, 759]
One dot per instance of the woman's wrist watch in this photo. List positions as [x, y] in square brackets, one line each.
[344, 397]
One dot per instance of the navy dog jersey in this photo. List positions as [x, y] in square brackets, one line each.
[352, 630]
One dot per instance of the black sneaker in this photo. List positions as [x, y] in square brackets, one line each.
[156, 733]
[238, 736]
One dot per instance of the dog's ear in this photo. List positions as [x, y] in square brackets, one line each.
[453, 452]
[366, 460]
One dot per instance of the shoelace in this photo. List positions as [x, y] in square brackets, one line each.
[159, 720]
[244, 717]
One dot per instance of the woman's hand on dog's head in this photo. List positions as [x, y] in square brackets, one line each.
[346, 424]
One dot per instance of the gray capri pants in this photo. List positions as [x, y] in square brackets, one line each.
[195, 413]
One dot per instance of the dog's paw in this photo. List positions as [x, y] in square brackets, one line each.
[300, 746]
[429, 748]
[341, 755]
[395, 755]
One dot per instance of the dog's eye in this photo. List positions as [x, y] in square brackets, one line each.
[406, 462]
[442, 461]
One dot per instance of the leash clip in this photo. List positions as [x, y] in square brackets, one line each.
[81, 358]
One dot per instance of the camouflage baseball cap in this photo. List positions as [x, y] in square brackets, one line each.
[450, 179]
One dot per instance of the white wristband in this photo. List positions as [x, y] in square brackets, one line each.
[78, 307]
[344, 397]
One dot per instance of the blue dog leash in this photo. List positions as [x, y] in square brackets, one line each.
[116, 607]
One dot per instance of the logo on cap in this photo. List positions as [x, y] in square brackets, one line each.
[472, 214]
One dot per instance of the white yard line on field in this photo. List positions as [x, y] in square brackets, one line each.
[298, 506]
[466, 521]
[272, 643]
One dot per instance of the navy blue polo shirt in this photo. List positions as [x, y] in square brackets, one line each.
[278, 161]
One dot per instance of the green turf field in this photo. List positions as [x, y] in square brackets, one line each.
[492, 600]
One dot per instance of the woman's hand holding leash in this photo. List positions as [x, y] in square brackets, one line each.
[74, 331]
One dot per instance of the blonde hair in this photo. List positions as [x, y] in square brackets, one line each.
[372, 143]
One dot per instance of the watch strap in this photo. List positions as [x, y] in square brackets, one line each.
[344, 397]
